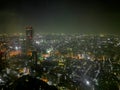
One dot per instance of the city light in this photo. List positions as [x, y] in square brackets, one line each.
[71, 65]
[16, 48]
[87, 82]
[37, 42]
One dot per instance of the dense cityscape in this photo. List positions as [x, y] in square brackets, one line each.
[52, 61]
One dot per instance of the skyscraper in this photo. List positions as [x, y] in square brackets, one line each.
[29, 39]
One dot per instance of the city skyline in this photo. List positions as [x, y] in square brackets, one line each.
[59, 16]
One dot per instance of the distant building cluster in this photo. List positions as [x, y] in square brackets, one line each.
[71, 61]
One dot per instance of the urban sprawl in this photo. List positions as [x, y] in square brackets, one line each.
[63, 61]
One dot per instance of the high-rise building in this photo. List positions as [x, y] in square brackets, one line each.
[30, 50]
[29, 32]
[29, 39]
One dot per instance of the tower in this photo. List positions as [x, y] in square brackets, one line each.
[29, 39]
[30, 49]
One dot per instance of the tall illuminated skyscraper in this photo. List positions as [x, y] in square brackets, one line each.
[29, 38]
[30, 50]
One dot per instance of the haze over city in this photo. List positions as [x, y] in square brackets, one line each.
[73, 16]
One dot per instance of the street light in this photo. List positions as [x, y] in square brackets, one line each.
[87, 82]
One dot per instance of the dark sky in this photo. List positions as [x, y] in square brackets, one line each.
[73, 16]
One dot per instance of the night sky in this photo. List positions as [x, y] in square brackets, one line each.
[52, 16]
